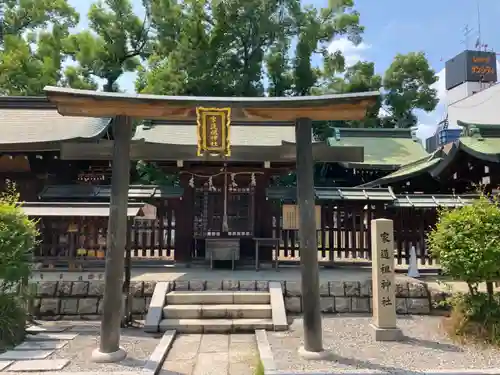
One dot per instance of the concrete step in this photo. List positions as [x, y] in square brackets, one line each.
[215, 325]
[235, 311]
[218, 297]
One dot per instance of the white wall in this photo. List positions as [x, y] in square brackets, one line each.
[480, 108]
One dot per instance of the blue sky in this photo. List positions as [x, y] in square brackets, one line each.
[401, 26]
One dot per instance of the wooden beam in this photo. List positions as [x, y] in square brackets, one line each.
[86, 103]
[88, 108]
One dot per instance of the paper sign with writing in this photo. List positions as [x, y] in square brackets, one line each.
[213, 131]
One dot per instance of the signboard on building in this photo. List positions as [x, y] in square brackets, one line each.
[213, 131]
[471, 66]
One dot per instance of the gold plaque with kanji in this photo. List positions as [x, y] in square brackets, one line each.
[213, 131]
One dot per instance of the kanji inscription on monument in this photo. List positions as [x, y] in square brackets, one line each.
[384, 288]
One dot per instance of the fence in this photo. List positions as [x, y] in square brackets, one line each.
[79, 241]
[345, 234]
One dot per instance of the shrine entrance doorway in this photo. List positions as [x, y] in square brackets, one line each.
[223, 211]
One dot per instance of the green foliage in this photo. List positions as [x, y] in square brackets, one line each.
[466, 241]
[475, 317]
[113, 45]
[18, 235]
[17, 238]
[150, 173]
[360, 77]
[260, 369]
[12, 320]
[31, 47]
[408, 82]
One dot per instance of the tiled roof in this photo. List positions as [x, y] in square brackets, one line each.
[34, 120]
[382, 147]
[384, 195]
[248, 135]
[408, 170]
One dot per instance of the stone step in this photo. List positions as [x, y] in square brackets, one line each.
[215, 325]
[217, 297]
[235, 311]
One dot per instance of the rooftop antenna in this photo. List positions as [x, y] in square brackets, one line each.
[466, 32]
[478, 41]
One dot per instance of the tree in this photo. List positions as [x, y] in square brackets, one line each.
[116, 41]
[31, 51]
[407, 83]
[228, 47]
[360, 77]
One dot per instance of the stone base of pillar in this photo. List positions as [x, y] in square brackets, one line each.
[100, 357]
[386, 334]
[314, 356]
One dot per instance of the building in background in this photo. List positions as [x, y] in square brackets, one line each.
[472, 95]
[442, 136]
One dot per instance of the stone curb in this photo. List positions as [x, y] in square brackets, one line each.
[265, 352]
[155, 362]
[402, 372]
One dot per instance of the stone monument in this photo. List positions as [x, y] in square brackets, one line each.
[384, 287]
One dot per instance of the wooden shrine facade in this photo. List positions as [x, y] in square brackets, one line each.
[224, 178]
[343, 219]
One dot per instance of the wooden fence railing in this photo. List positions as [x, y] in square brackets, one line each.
[344, 236]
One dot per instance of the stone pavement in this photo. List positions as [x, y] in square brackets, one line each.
[212, 354]
[41, 342]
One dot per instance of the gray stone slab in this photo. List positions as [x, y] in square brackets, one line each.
[47, 328]
[185, 347]
[41, 345]
[214, 343]
[4, 364]
[155, 308]
[278, 306]
[39, 365]
[19, 355]
[51, 336]
[154, 363]
[211, 364]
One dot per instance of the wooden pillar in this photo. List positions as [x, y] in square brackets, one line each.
[109, 349]
[184, 219]
[313, 337]
[263, 217]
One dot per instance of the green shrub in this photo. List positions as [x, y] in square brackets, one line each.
[475, 317]
[12, 320]
[466, 241]
[18, 236]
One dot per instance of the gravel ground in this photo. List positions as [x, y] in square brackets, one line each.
[350, 342]
[137, 344]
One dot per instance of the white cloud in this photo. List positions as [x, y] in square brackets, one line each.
[352, 53]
